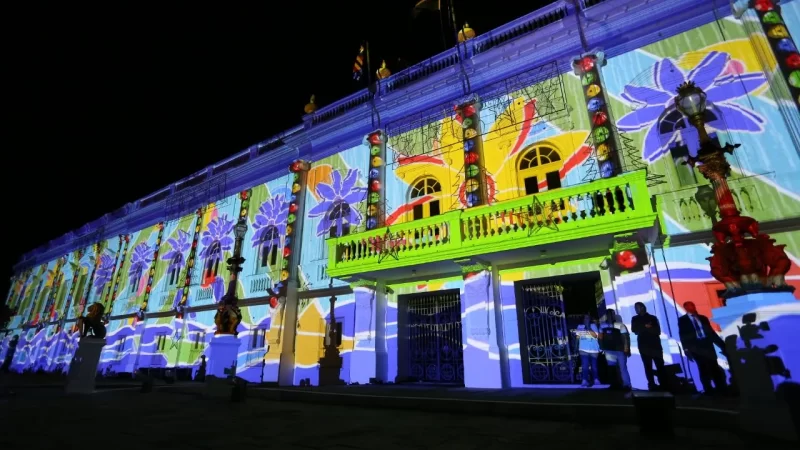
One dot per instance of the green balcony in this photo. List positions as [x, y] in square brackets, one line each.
[574, 220]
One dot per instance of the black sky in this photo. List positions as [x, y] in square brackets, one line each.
[106, 104]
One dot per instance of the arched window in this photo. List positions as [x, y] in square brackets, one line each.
[137, 276]
[174, 271]
[212, 260]
[426, 187]
[540, 162]
[270, 241]
[339, 218]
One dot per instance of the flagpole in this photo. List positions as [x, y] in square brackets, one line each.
[369, 67]
[442, 26]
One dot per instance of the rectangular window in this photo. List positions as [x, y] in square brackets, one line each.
[531, 185]
[161, 341]
[553, 180]
[258, 338]
[685, 172]
[434, 208]
[173, 275]
[121, 345]
[199, 339]
[418, 212]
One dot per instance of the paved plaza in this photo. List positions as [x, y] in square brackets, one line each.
[124, 418]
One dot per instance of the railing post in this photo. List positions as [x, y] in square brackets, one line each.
[456, 234]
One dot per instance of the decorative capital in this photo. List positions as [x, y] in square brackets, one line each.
[472, 265]
[627, 241]
[589, 61]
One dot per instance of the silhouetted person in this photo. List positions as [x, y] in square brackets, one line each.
[201, 371]
[615, 341]
[648, 337]
[698, 340]
[9, 359]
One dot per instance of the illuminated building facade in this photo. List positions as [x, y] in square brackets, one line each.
[465, 215]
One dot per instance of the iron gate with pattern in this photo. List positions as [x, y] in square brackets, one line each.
[543, 323]
[435, 352]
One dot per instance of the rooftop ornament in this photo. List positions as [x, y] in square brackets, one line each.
[310, 106]
[466, 33]
[744, 264]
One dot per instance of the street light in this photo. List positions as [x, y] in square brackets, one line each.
[229, 316]
[740, 262]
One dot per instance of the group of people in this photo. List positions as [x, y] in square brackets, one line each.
[612, 338]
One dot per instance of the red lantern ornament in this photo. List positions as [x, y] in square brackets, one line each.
[764, 5]
[471, 158]
[793, 61]
[286, 252]
[587, 63]
[626, 259]
[296, 166]
[375, 138]
[243, 195]
[468, 111]
[375, 186]
[292, 208]
[273, 302]
[599, 118]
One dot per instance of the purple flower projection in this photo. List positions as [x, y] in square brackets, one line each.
[337, 200]
[141, 258]
[718, 75]
[103, 273]
[272, 215]
[218, 231]
[177, 247]
[176, 303]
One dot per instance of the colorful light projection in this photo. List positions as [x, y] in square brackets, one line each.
[587, 68]
[98, 250]
[111, 293]
[299, 170]
[376, 141]
[783, 46]
[49, 312]
[472, 191]
[180, 309]
[151, 274]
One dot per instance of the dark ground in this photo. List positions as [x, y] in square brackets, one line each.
[168, 418]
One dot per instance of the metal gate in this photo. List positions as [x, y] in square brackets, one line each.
[434, 337]
[544, 322]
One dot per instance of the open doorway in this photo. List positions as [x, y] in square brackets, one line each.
[549, 310]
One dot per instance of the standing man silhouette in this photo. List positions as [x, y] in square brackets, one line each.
[648, 338]
[698, 340]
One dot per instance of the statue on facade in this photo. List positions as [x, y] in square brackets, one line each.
[228, 316]
[93, 322]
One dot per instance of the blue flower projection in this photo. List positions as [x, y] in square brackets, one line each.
[218, 231]
[140, 259]
[337, 200]
[178, 247]
[270, 222]
[716, 74]
[103, 274]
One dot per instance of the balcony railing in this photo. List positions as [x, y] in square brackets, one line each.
[600, 207]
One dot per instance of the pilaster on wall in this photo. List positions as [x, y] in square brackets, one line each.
[778, 54]
[482, 367]
[369, 358]
[603, 136]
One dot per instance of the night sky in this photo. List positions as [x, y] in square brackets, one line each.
[106, 104]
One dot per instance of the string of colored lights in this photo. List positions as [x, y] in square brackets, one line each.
[187, 277]
[33, 307]
[74, 284]
[50, 306]
[98, 248]
[377, 155]
[783, 46]
[299, 171]
[116, 274]
[473, 190]
[587, 68]
[151, 273]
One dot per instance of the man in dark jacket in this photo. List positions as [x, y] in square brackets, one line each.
[648, 336]
[698, 340]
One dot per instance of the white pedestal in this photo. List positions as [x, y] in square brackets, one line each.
[83, 369]
[222, 355]
[760, 409]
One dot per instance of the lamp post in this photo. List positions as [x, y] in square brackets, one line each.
[228, 314]
[743, 264]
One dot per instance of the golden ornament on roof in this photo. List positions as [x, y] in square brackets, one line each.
[465, 33]
[310, 106]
